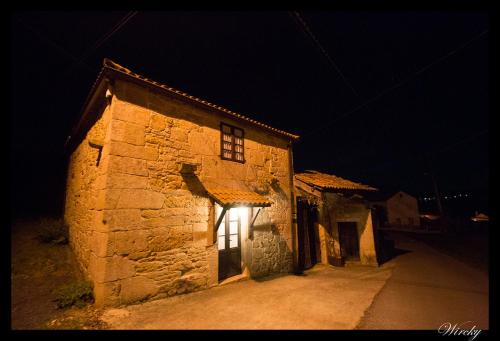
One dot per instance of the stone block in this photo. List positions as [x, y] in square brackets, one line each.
[200, 227]
[128, 112]
[179, 134]
[158, 122]
[132, 133]
[127, 242]
[125, 219]
[107, 294]
[152, 213]
[151, 153]
[98, 221]
[126, 181]
[203, 143]
[137, 289]
[100, 244]
[139, 255]
[156, 222]
[127, 165]
[168, 238]
[126, 149]
[106, 199]
[107, 269]
[140, 198]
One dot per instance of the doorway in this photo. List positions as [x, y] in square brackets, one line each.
[349, 240]
[229, 244]
[307, 236]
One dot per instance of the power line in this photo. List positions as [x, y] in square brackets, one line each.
[307, 30]
[49, 41]
[395, 86]
[103, 39]
[299, 20]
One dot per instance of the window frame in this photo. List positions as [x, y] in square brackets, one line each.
[233, 144]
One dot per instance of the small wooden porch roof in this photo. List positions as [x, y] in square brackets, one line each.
[232, 198]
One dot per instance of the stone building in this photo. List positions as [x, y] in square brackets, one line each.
[399, 209]
[335, 222]
[169, 194]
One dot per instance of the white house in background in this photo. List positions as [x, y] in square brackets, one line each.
[400, 209]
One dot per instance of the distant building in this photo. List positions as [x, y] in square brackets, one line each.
[398, 209]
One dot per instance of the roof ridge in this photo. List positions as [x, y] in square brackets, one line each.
[115, 66]
[318, 178]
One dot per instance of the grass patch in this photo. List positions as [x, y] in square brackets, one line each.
[54, 231]
[76, 294]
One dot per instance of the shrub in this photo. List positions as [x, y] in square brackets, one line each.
[76, 293]
[53, 231]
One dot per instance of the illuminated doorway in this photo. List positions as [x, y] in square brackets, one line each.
[229, 244]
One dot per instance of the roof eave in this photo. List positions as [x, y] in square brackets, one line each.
[201, 103]
[92, 101]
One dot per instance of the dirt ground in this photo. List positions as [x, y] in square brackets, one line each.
[37, 269]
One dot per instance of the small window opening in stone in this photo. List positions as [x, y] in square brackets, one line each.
[232, 143]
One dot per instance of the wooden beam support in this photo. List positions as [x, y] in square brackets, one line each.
[250, 227]
[254, 218]
[219, 220]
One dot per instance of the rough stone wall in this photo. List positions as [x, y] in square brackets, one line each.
[402, 206]
[84, 175]
[152, 221]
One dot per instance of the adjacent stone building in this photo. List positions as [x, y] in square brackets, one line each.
[335, 222]
[169, 194]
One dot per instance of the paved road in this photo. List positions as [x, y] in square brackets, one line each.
[326, 298]
[427, 289]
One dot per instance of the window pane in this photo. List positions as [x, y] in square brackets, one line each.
[227, 145]
[238, 132]
[233, 227]
[221, 243]
[239, 156]
[238, 140]
[238, 149]
[233, 214]
[227, 154]
[226, 129]
[226, 138]
[233, 240]
[222, 230]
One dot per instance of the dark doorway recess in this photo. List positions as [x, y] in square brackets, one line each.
[349, 240]
[308, 238]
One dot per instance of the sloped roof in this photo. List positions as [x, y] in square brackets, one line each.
[329, 181]
[110, 68]
[231, 197]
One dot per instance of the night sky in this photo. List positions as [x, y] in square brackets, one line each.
[265, 66]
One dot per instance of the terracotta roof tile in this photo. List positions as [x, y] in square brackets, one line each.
[117, 67]
[232, 197]
[328, 181]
